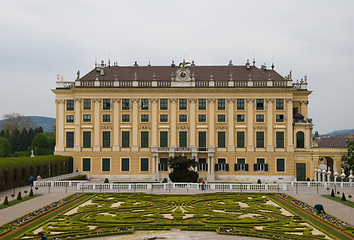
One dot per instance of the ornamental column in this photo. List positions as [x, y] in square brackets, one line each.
[192, 127]
[211, 174]
[211, 123]
[116, 116]
[290, 146]
[303, 108]
[308, 136]
[173, 143]
[250, 130]
[231, 147]
[154, 123]
[135, 120]
[60, 128]
[96, 126]
[77, 124]
[270, 146]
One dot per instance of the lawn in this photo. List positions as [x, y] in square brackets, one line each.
[339, 199]
[15, 201]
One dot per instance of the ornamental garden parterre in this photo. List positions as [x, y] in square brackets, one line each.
[258, 215]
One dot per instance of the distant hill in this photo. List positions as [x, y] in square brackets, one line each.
[347, 132]
[46, 123]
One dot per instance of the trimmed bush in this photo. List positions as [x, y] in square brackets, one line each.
[343, 197]
[164, 180]
[31, 192]
[106, 180]
[6, 201]
[259, 181]
[332, 194]
[19, 197]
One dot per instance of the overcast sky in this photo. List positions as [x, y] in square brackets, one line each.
[41, 38]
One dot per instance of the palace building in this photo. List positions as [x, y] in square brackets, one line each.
[240, 123]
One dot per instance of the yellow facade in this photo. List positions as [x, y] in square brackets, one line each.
[116, 112]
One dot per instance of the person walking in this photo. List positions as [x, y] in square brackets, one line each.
[43, 236]
[319, 208]
[203, 184]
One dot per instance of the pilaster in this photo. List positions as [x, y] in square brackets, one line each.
[290, 144]
[154, 120]
[211, 108]
[231, 147]
[173, 102]
[116, 130]
[60, 128]
[77, 115]
[192, 118]
[96, 127]
[135, 121]
[270, 146]
[303, 108]
[250, 124]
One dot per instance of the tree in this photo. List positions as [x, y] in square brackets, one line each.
[348, 159]
[181, 169]
[316, 134]
[16, 121]
[5, 147]
[42, 144]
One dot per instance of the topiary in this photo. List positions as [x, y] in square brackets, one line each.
[19, 197]
[106, 180]
[259, 181]
[164, 180]
[332, 193]
[343, 197]
[31, 192]
[6, 201]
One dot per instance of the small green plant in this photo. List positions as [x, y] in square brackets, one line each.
[350, 197]
[6, 201]
[106, 180]
[259, 181]
[25, 192]
[332, 194]
[328, 190]
[343, 197]
[32, 191]
[12, 196]
[338, 192]
[164, 180]
[19, 197]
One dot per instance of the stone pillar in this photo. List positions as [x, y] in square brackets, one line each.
[173, 142]
[154, 121]
[60, 128]
[303, 108]
[77, 118]
[250, 124]
[351, 176]
[192, 127]
[335, 174]
[211, 122]
[329, 175]
[270, 146]
[96, 126]
[315, 174]
[323, 175]
[135, 121]
[211, 174]
[231, 147]
[116, 118]
[289, 120]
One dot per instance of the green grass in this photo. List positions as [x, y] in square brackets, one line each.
[14, 202]
[339, 199]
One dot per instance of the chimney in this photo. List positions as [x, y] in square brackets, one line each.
[248, 65]
[136, 64]
[264, 67]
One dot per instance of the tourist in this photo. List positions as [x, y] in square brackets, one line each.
[202, 184]
[43, 236]
[319, 209]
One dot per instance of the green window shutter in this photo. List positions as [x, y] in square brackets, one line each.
[226, 167]
[280, 164]
[163, 139]
[182, 139]
[86, 139]
[246, 167]
[144, 164]
[106, 164]
[240, 139]
[125, 139]
[236, 167]
[255, 167]
[216, 167]
[259, 139]
[106, 139]
[221, 139]
[266, 167]
[69, 139]
[125, 164]
[300, 136]
[202, 139]
[280, 139]
[144, 139]
[86, 164]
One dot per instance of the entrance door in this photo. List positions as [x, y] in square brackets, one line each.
[300, 171]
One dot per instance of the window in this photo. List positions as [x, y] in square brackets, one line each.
[202, 165]
[221, 117]
[106, 118]
[240, 139]
[144, 164]
[144, 118]
[69, 118]
[240, 104]
[202, 141]
[182, 104]
[201, 117]
[69, 139]
[86, 164]
[106, 104]
[201, 104]
[144, 139]
[106, 139]
[163, 118]
[259, 139]
[125, 164]
[279, 104]
[300, 140]
[163, 104]
[221, 165]
[279, 118]
[221, 139]
[125, 139]
[69, 105]
[106, 164]
[241, 165]
[125, 118]
[279, 139]
[260, 165]
[295, 110]
[87, 104]
[163, 164]
[144, 104]
[259, 118]
[183, 139]
[87, 117]
[125, 104]
[240, 118]
[280, 165]
[259, 104]
[182, 118]
[163, 139]
[221, 104]
[86, 143]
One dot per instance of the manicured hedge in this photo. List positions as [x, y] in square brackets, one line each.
[15, 172]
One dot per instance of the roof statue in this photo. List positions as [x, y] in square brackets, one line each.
[184, 64]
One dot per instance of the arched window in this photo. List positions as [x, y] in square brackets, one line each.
[300, 143]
